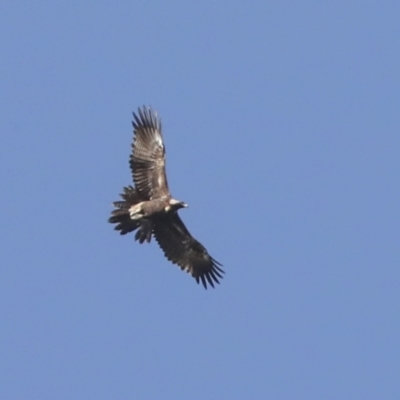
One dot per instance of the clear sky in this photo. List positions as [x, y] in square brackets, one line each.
[282, 128]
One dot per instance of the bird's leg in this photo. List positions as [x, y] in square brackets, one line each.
[136, 212]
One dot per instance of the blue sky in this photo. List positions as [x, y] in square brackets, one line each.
[281, 123]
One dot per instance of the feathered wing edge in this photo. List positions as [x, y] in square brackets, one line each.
[121, 217]
[181, 248]
[148, 118]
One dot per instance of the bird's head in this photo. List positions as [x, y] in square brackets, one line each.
[177, 204]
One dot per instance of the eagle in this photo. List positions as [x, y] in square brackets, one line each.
[149, 208]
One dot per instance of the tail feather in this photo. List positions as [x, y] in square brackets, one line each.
[130, 195]
[121, 217]
[145, 231]
[119, 204]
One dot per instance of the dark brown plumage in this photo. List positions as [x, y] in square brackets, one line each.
[150, 210]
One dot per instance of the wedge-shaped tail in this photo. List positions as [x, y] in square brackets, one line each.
[122, 220]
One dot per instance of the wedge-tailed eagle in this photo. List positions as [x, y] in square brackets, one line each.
[150, 210]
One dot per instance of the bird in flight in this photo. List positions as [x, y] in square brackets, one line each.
[149, 209]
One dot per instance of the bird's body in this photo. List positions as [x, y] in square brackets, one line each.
[149, 209]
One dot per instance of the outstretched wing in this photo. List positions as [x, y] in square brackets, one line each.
[147, 160]
[181, 248]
